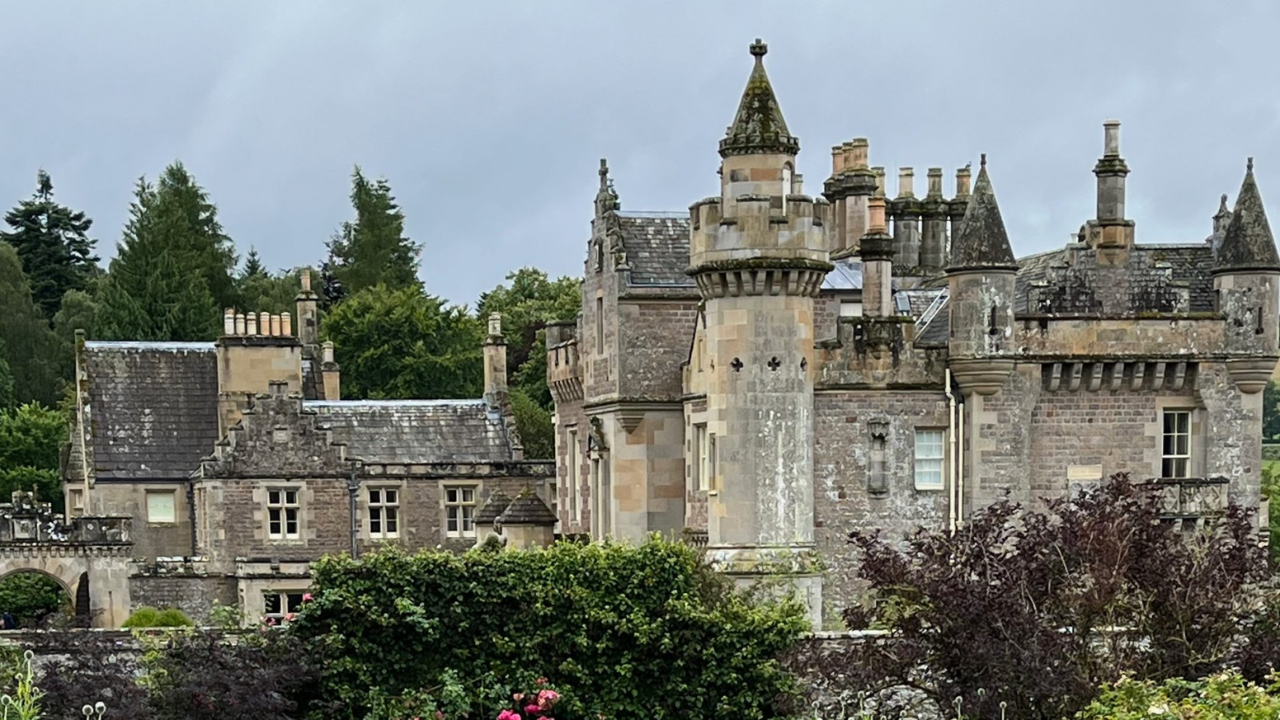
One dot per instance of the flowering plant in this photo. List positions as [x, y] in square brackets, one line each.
[536, 704]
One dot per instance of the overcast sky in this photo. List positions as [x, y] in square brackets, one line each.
[489, 119]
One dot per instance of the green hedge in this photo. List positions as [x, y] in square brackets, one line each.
[622, 632]
[149, 617]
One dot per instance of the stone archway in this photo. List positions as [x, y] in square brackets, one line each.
[95, 577]
[28, 596]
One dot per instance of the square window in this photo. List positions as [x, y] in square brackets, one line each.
[160, 510]
[280, 605]
[460, 510]
[929, 455]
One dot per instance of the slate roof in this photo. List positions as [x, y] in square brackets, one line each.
[1248, 243]
[153, 407]
[416, 431]
[527, 509]
[981, 240]
[758, 126]
[1188, 264]
[657, 247]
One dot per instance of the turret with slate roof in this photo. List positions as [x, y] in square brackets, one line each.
[1246, 277]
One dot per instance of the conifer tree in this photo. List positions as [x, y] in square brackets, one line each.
[373, 250]
[173, 269]
[54, 245]
[253, 266]
[28, 347]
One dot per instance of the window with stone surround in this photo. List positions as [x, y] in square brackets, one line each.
[160, 507]
[384, 513]
[75, 502]
[460, 510]
[282, 514]
[1175, 458]
[280, 605]
[701, 459]
[929, 455]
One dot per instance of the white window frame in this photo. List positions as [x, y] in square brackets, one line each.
[1171, 454]
[173, 506]
[460, 510]
[284, 511]
[929, 459]
[384, 512]
[701, 459]
[288, 602]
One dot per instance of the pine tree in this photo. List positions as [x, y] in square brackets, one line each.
[373, 250]
[54, 245]
[172, 257]
[27, 344]
[331, 290]
[253, 266]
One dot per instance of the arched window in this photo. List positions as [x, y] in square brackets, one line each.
[786, 185]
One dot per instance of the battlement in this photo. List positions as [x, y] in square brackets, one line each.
[762, 230]
[878, 352]
[564, 373]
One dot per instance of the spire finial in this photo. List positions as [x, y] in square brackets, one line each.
[1222, 204]
[758, 49]
[983, 160]
[1249, 165]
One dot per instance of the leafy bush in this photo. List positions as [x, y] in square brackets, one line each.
[31, 435]
[1035, 610]
[1221, 697]
[537, 432]
[149, 617]
[31, 597]
[622, 631]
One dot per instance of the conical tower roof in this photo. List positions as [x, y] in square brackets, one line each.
[758, 127]
[981, 241]
[1248, 243]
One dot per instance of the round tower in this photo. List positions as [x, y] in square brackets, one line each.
[982, 275]
[759, 254]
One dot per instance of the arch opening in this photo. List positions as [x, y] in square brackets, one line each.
[32, 598]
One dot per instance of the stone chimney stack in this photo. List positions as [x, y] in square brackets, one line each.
[308, 312]
[495, 364]
[877, 250]
[906, 220]
[329, 377]
[851, 183]
[257, 353]
[1110, 229]
[933, 239]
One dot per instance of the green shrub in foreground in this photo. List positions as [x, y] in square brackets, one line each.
[149, 617]
[620, 631]
[1225, 696]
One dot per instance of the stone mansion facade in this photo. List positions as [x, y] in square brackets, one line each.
[217, 472]
[770, 371]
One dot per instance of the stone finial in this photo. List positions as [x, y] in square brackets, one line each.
[1248, 244]
[981, 241]
[759, 49]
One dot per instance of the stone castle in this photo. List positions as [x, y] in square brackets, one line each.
[761, 375]
[769, 371]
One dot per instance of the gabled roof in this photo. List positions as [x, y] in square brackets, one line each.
[657, 247]
[417, 431]
[1248, 243]
[153, 407]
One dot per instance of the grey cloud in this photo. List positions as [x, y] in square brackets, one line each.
[489, 118]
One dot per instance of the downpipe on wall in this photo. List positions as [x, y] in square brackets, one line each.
[951, 435]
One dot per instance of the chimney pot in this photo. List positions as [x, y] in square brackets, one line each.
[286, 324]
[879, 173]
[797, 184]
[962, 182]
[861, 149]
[228, 322]
[875, 214]
[251, 324]
[495, 324]
[837, 159]
[1111, 138]
[935, 182]
[327, 351]
[906, 182]
[275, 325]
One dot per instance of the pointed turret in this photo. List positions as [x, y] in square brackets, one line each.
[981, 240]
[758, 127]
[1248, 243]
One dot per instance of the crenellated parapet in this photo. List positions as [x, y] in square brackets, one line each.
[564, 373]
[878, 353]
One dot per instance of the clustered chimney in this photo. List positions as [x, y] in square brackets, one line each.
[263, 324]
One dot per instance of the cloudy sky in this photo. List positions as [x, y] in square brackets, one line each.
[489, 118]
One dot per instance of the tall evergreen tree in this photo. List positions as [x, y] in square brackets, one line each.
[54, 244]
[331, 290]
[172, 272]
[28, 345]
[253, 266]
[373, 250]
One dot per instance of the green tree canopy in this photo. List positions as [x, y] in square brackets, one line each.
[528, 301]
[373, 250]
[54, 244]
[31, 597]
[27, 345]
[533, 422]
[403, 344]
[78, 311]
[1271, 412]
[272, 292]
[31, 435]
[172, 273]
